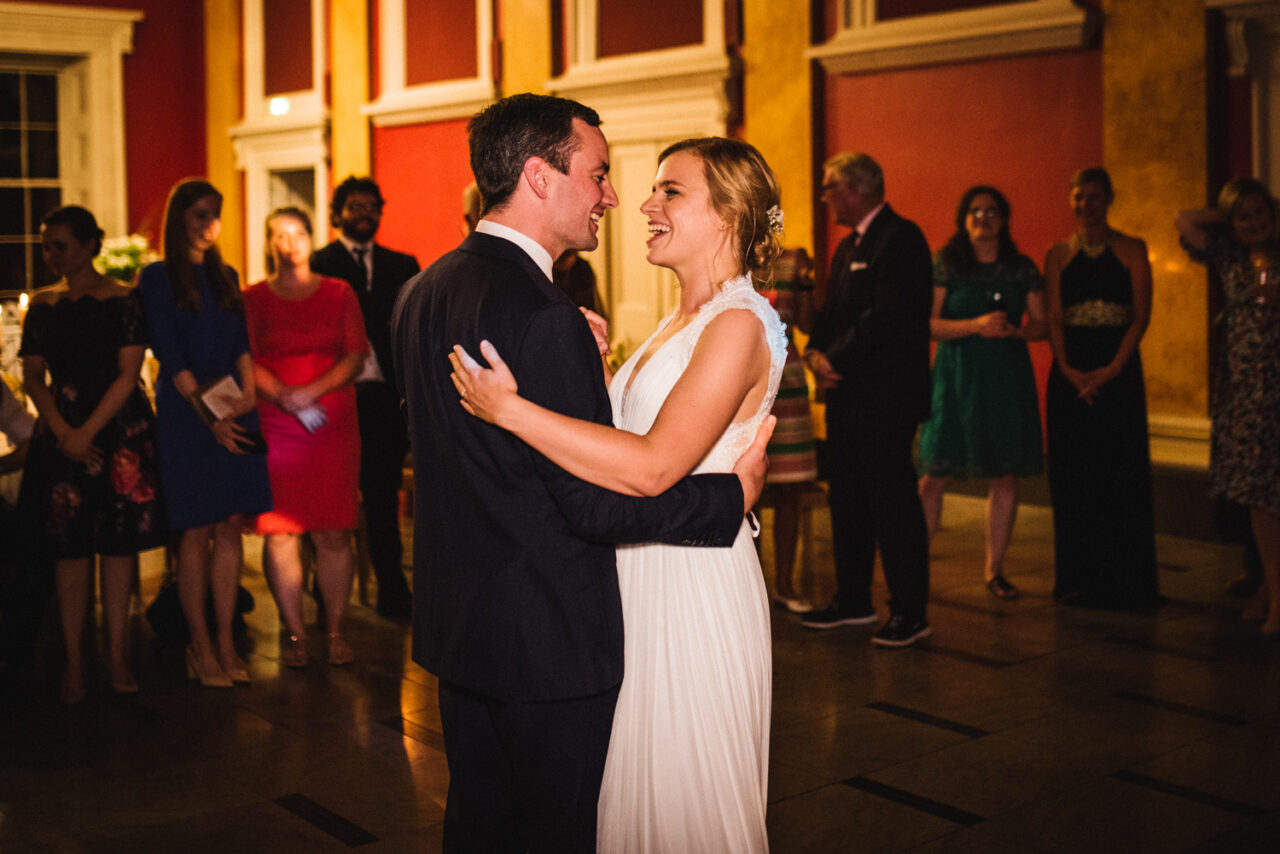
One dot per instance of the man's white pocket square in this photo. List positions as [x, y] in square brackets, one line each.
[857, 265]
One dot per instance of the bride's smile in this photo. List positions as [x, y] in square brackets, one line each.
[686, 235]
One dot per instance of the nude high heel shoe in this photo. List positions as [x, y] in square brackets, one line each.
[208, 680]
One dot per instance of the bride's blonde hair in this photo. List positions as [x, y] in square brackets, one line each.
[743, 193]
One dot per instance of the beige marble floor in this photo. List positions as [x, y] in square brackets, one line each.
[1020, 727]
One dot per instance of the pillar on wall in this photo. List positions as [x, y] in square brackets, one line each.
[348, 89]
[525, 29]
[1155, 147]
[222, 112]
[777, 106]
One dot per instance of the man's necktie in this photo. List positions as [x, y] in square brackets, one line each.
[359, 253]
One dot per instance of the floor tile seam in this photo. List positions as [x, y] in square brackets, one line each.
[321, 817]
[920, 803]
[1181, 708]
[928, 719]
[1187, 793]
[1192, 656]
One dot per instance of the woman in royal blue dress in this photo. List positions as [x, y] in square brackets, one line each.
[90, 482]
[211, 476]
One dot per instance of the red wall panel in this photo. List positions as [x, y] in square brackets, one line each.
[164, 104]
[422, 170]
[629, 27]
[1023, 124]
[440, 40]
[286, 33]
[888, 9]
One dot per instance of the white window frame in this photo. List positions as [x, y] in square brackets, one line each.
[89, 44]
[862, 43]
[647, 100]
[400, 104]
[266, 143]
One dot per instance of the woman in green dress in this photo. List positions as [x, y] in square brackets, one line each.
[985, 420]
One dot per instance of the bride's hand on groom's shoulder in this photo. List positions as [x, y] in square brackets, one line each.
[754, 463]
[599, 329]
[484, 392]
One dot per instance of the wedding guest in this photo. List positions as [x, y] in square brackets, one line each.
[308, 342]
[985, 416]
[793, 461]
[91, 469]
[1238, 239]
[1098, 297]
[19, 586]
[211, 476]
[375, 274]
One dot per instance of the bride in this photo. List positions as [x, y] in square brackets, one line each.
[688, 758]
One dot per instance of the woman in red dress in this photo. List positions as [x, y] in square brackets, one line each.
[308, 341]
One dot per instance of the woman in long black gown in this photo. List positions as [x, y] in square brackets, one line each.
[1098, 289]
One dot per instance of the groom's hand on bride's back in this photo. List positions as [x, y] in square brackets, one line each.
[752, 465]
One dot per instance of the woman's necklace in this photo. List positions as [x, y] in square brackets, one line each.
[1094, 250]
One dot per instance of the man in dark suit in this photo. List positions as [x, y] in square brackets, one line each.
[870, 352]
[516, 602]
[376, 274]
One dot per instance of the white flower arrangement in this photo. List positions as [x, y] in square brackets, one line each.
[122, 257]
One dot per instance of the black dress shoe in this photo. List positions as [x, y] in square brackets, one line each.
[901, 631]
[835, 615]
[395, 607]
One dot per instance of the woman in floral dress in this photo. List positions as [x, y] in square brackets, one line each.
[1238, 240]
[91, 477]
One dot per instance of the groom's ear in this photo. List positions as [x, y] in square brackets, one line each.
[535, 176]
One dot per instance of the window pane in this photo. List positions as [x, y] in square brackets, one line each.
[13, 266]
[42, 154]
[11, 205]
[9, 103]
[43, 200]
[42, 98]
[10, 154]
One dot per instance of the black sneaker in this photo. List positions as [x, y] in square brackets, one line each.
[901, 631]
[835, 615]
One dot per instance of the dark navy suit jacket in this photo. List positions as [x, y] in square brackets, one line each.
[515, 582]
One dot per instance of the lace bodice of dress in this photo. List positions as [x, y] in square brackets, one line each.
[636, 403]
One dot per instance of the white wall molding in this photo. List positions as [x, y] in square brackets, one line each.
[864, 44]
[260, 154]
[88, 44]
[400, 104]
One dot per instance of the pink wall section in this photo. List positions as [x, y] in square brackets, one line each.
[1023, 125]
[422, 170]
[164, 104]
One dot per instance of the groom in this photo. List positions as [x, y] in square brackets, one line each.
[516, 603]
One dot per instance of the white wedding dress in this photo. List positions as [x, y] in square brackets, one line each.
[688, 762]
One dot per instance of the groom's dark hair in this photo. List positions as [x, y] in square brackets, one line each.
[504, 135]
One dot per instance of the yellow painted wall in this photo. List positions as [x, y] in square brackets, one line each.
[777, 114]
[1154, 145]
[525, 29]
[223, 87]
[348, 89]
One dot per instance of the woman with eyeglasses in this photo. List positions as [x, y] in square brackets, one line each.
[1098, 290]
[985, 419]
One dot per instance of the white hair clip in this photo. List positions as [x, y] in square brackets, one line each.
[775, 218]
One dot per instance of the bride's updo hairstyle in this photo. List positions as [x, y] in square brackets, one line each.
[744, 194]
